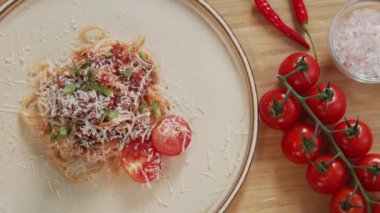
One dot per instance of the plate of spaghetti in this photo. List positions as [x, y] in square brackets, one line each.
[123, 106]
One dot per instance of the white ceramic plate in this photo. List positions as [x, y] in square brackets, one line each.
[207, 75]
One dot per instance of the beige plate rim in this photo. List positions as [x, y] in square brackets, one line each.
[220, 25]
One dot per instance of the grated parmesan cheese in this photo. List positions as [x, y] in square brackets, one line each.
[86, 108]
[183, 188]
[161, 202]
[209, 175]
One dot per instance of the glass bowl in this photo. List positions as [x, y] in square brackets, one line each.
[347, 67]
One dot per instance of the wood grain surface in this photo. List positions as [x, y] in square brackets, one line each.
[273, 183]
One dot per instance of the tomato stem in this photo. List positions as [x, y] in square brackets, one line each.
[352, 130]
[361, 167]
[339, 131]
[277, 108]
[329, 135]
[297, 69]
[333, 158]
[311, 97]
[301, 66]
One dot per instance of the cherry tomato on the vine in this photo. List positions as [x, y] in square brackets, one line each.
[376, 207]
[275, 113]
[308, 71]
[356, 141]
[298, 141]
[369, 177]
[347, 201]
[330, 105]
[326, 175]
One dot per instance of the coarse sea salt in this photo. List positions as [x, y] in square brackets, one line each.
[357, 43]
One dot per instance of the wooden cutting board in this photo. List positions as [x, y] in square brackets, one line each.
[273, 183]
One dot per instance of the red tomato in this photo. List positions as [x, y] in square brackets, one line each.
[332, 107]
[357, 141]
[171, 136]
[283, 118]
[297, 139]
[376, 208]
[299, 81]
[324, 178]
[369, 179]
[141, 161]
[341, 202]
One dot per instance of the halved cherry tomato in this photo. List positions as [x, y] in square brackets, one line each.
[370, 179]
[357, 141]
[326, 175]
[308, 67]
[331, 107]
[297, 140]
[275, 116]
[141, 161]
[347, 201]
[172, 135]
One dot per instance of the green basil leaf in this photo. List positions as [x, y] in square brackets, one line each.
[156, 109]
[143, 55]
[73, 69]
[63, 133]
[101, 89]
[142, 108]
[90, 75]
[50, 128]
[155, 106]
[68, 89]
[127, 73]
[85, 64]
[108, 54]
[111, 114]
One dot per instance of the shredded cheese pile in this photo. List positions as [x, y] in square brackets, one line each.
[100, 96]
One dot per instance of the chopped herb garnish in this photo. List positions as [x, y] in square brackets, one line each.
[156, 109]
[80, 80]
[142, 108]
[108, 54]
[109, 114]
[85, 64]
[63, 133]
[155, 106]
[127, 73]
[143, 55]
[101, 89]
[90, 75]
[50, 128]
[73, 69]
[68, 89]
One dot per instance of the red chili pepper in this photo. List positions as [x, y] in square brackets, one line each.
[303, 19]
[266, 10]
[301, 13]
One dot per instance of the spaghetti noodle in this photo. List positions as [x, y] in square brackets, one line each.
[86, 110]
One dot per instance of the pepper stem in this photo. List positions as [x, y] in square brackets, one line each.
[305, 27]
